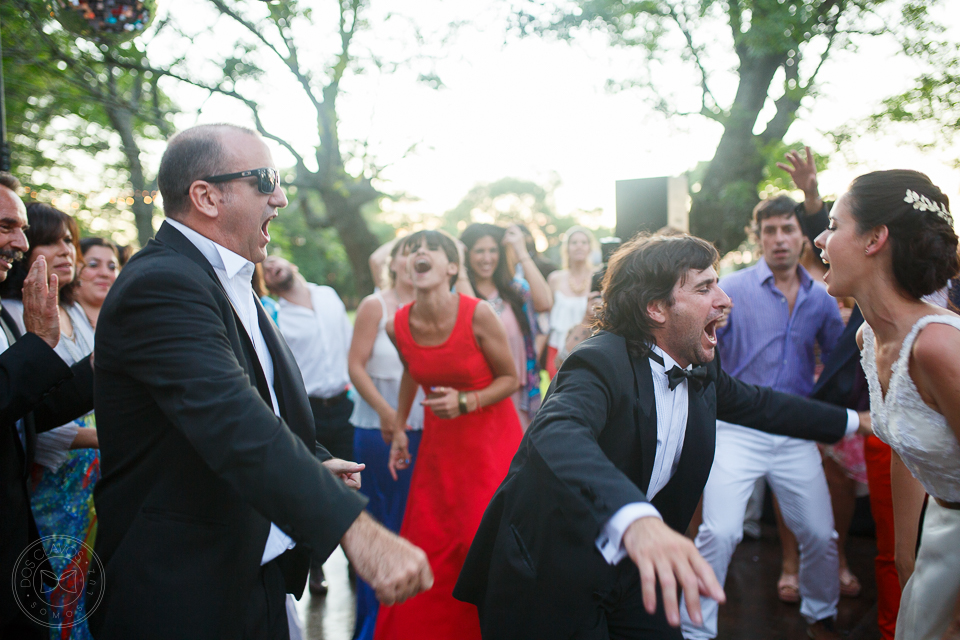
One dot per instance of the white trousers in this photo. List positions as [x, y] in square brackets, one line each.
[795, 472]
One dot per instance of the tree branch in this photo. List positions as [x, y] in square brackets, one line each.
[695, 51]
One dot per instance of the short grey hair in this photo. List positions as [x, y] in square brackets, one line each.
[192, 154]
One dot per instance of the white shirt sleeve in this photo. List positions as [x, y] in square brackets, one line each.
[853, 423]
[610, 540]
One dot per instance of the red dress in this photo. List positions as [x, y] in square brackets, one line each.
[461, 462]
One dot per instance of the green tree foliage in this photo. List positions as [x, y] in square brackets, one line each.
[73, 105]
[776, 50]
[294, 40]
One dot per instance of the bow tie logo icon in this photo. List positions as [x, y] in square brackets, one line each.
[68, 582]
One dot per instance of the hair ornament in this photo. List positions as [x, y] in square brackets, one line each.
[923, 203]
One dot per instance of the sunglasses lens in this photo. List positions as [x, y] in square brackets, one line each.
[268, 180]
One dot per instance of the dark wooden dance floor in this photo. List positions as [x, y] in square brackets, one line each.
[752, 612]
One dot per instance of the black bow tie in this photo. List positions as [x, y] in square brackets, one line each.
[697, 375]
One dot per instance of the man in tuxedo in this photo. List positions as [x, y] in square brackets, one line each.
[38, 391]
[213, 495]
[583, 538]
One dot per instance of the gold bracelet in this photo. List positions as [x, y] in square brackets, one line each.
[462, 402]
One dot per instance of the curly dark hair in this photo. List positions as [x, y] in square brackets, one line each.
[923, 242]
[645, 270]
[502, 277]
[47, 225]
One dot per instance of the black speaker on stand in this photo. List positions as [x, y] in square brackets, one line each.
[649, 204]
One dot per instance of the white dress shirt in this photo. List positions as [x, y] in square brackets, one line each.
[319, 338]
[672, 407]
[236, 275]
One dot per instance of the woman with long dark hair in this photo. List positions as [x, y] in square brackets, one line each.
[492, 255]
[891, 241]
[67, 462]
[455, 347]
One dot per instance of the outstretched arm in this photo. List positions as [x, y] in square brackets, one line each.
[591, 388]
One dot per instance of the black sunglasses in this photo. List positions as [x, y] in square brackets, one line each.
[267, 179]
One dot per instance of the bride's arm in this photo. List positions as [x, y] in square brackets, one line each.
[908, 497]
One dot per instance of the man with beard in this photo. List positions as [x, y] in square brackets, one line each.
[314, 323]
[588, 520]
[781, 314]
[38, 392]
[214, 493]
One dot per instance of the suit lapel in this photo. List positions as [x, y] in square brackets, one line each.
[24, 452]
[287, 382]
[646, 417]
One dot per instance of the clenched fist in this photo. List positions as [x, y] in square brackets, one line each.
[396, 569]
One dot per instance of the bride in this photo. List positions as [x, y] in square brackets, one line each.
[890, 242]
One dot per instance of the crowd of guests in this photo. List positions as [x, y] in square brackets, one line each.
[430, 391]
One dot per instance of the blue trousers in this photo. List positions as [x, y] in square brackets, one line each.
[388, 499]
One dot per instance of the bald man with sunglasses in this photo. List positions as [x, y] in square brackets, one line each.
[214, 493]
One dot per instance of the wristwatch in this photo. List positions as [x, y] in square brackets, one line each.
[462, 402]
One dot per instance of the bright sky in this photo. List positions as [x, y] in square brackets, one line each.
[533, 107]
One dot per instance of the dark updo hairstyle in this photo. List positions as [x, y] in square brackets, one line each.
[47, 225]
[922, 237]
[645, 270]
[435, 240]
[502, 277]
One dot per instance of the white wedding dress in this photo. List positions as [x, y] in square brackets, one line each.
[930, 450]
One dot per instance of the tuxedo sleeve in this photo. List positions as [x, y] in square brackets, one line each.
[34, 378]
[174, 340]
[588, 390]
[778, 413]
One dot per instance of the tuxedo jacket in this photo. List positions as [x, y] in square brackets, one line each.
[195, 464]
[534, 570]
[38, 387]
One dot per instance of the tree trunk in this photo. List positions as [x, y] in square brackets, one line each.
[344, 216]
[722, 208]
[122, 121]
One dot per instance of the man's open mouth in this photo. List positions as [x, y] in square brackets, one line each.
[710, 332]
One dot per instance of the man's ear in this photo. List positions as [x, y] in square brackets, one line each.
[877, 239]
[205, 198]
[656, 311]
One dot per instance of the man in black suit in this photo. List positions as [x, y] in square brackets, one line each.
[38, 391]
[213, 495]
[588, 520]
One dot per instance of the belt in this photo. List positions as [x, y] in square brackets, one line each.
[332, 400]
[948, 505]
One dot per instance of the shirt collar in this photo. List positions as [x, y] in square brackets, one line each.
[766, 275]
[217, 255]
[668, 362]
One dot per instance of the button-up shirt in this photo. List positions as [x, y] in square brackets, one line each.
[236, 275]
[763, 343]
[672, 407]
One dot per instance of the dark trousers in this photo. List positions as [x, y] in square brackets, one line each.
[335, 434]
[621, 616]
[266, 617]
[332, 421]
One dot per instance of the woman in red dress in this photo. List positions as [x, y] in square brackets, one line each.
[456, 348]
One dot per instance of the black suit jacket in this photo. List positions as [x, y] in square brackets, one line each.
[195, 464]
[533, 569]
[37, 386]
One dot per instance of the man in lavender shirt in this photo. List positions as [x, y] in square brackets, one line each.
[779, 314]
